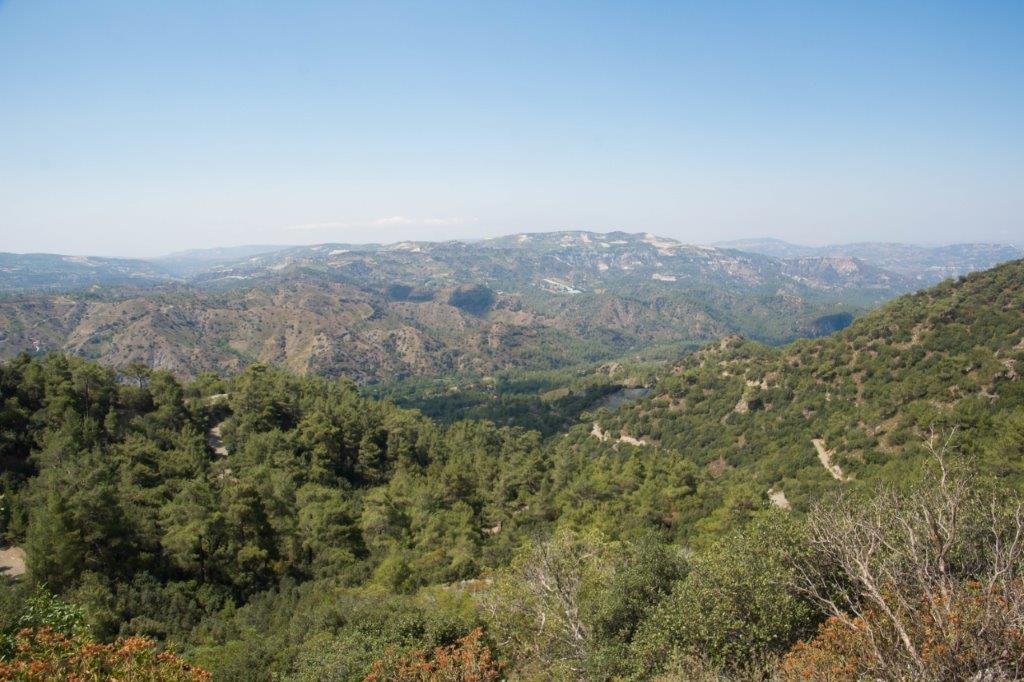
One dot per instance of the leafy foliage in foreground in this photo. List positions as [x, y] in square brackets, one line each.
[468, 660]
[48, 655]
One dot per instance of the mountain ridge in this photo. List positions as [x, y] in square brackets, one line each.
[374, 312]
[928, 264]
[904, 259]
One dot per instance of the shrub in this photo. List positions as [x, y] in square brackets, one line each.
[737, 604]
[925, 584]
[45, 654]
[468, 660]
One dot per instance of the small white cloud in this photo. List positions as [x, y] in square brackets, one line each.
[393, 220]
[308, 227]
[390, 221]
[443, 221]
[404, 220]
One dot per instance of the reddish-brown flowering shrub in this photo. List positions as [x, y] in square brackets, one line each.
[45, 654]
[836, 653]
[468, 660]
[925, 585]
[980, 635]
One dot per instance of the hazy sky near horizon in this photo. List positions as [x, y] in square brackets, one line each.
[138, 127]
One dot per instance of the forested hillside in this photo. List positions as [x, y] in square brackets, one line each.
[941, 358]
[312, 326]
[271, 526]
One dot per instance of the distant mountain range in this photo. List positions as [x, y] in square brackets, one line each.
[926, 264]
[921, 264]
[374, 312]
[563, 262]
[53, 272]
[184, 264]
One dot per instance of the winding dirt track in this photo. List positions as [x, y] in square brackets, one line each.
[215, 442]
[825, 457]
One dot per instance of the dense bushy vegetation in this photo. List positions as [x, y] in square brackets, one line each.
[268, 526]
[546, 401]
[42, 655]
[948, 356]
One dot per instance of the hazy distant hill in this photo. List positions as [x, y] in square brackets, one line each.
[927, 264]
[193, 261]
[52, 272]
[591, 259]
[568, 263]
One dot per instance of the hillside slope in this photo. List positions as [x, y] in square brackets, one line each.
[329, 328]
[854, 406]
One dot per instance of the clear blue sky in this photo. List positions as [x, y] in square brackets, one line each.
[137, 127]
